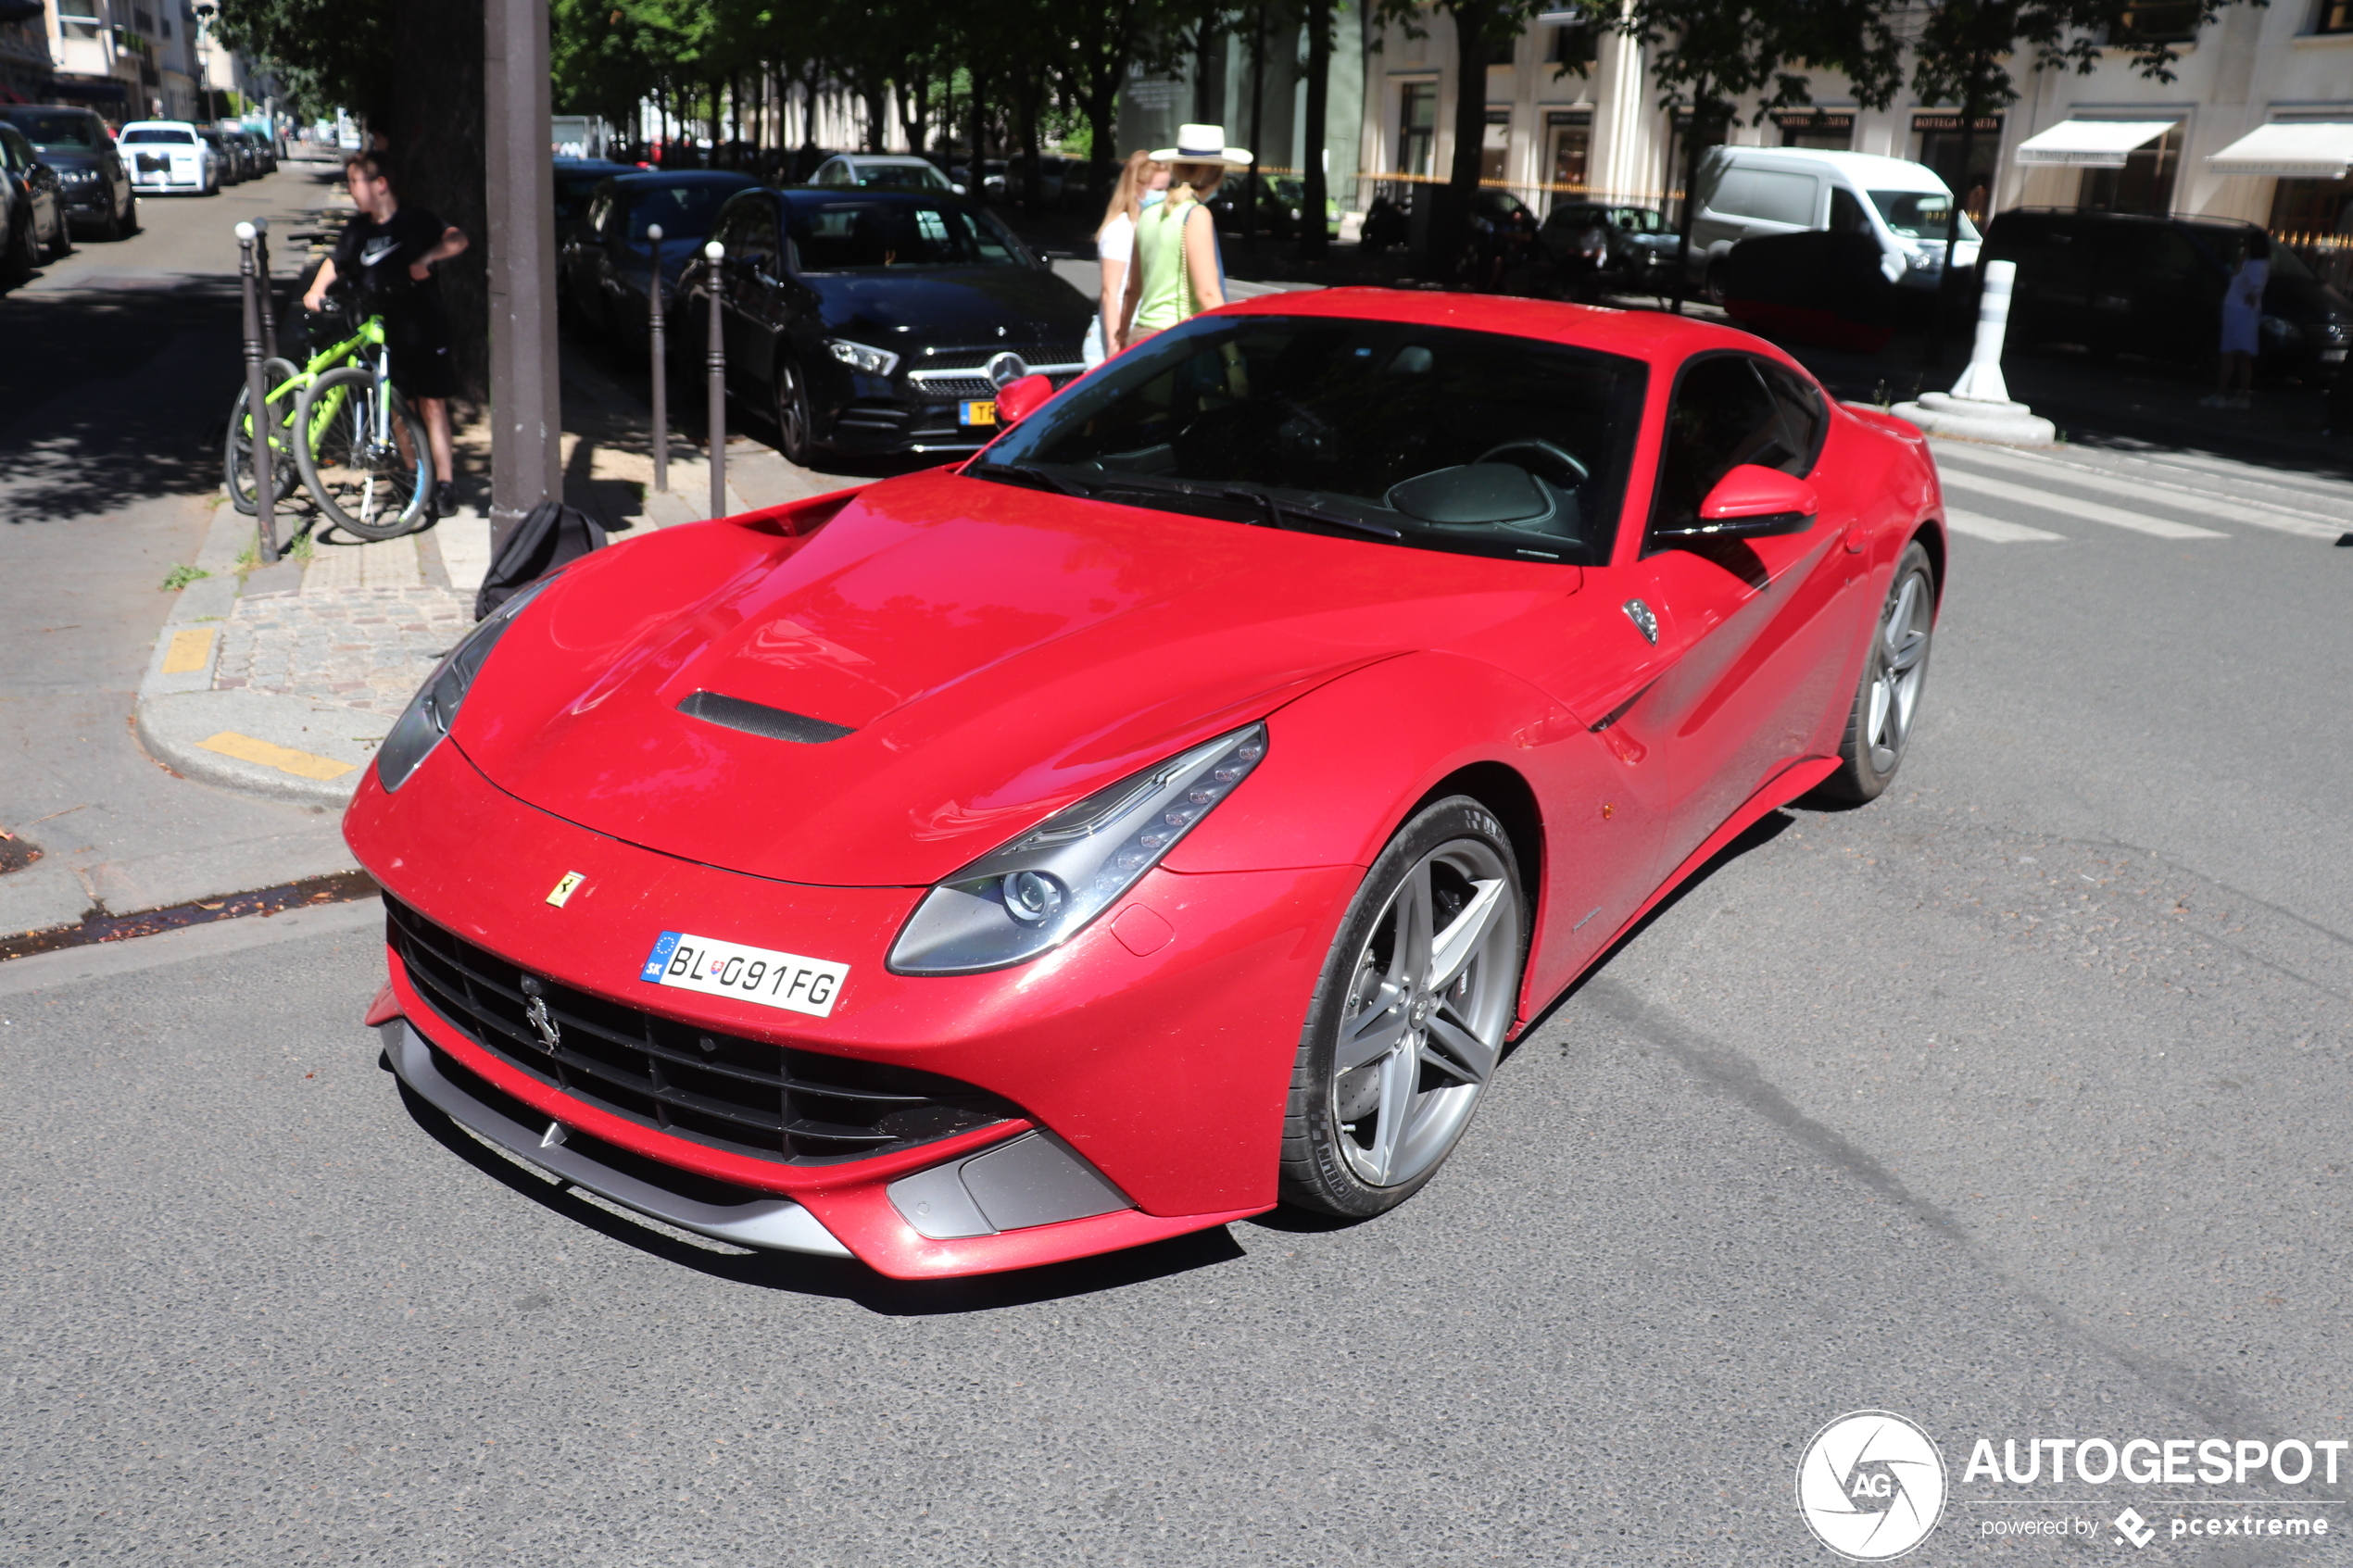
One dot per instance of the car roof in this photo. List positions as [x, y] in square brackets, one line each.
[862, 194]
[639, 179]
[7, 111]
[898, 160]
[160, 125]
[1637, 334]
[1867, 169]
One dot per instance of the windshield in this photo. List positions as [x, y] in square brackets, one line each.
[1432, 437]
[683, 211]
[176, 138]
[1639, 220]
[855, 236]
[1920, 215]
[72, 133]
[901, 177]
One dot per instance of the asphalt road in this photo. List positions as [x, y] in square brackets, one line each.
[2015, 1103]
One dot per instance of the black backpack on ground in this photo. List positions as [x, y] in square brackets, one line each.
[550, 536]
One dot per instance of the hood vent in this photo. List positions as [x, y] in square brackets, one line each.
[759, 719]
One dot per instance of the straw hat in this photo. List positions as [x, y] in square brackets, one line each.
[1203, 144]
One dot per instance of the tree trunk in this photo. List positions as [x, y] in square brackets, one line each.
[977, 180]
[1970, 100]
[1312, 238]
[1451, 222]
[1257, 122]
[913, 108]
[438, 145]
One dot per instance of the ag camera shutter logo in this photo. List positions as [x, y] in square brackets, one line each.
[1871, 1485]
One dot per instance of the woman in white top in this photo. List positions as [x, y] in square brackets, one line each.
[1141, 182]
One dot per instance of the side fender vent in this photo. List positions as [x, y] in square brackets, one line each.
[759, 719]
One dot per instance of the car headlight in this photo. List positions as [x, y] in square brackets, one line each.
[2276, 327]
[1039, 891]
[435, 708]
[1924, 260]
[857, 356]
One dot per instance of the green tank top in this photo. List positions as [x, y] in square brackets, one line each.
[1165, 292]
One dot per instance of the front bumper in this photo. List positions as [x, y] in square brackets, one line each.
[1159, 1069]
[920, 408]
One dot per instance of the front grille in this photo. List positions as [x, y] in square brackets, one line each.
[745, 1096]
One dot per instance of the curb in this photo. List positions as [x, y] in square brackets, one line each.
[287, 748]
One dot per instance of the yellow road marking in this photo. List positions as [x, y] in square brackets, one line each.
[301, 764]
[189, 650]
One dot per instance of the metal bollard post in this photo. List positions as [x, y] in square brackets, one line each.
[268, 303]
[257, 404]
[659, 352]
[715, 253]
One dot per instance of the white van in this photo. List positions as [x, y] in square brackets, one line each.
[1746, 191]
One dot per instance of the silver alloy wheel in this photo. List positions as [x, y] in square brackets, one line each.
[1903, 666]
[793, 417]
[1428, 1003]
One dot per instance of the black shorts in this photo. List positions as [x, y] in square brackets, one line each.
[421, 363]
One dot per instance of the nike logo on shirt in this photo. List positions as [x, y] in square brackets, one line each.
[376, 250]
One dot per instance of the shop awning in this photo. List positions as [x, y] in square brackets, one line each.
[2091, 144]
[2312, 150]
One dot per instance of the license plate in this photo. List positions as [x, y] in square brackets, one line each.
[983, 412]
[750, 974]
[2332, 355]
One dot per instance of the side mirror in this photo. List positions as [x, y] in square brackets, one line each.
[1017, 400]
[1752, 502]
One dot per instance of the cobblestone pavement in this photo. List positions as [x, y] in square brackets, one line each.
[363, 647]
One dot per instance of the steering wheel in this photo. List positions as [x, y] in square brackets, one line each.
[1551, 460]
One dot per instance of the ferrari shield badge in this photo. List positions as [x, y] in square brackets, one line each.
[565, 888]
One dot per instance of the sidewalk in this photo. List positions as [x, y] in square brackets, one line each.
[282, 681]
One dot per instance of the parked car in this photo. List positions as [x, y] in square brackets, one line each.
[255, 148]
[1280, 200]
[607, 269]
[1170, 815]
[1638, 246]
[873, 172]
[93, 183]
[576, 182]
[1744, 192]
[169, 155]
[878, 321]
[226, 155]
[36, 215]
[2122, 282]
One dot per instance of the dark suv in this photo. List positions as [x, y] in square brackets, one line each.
[2118, 282]
[93, 186]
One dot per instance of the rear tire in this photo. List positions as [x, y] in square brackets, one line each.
[1887, 700]
[236, 457]
[367, 492]
[1714, 286]
[1408, 1019]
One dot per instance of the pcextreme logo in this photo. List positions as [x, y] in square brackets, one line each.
[1871, 1485]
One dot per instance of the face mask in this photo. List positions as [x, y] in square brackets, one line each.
[1153, 198]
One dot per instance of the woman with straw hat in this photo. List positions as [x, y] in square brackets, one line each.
[1142, 183]
[1176, 276]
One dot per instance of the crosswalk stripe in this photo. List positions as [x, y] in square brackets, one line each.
[1977, 526]
[2090, 511]
[2161, 493]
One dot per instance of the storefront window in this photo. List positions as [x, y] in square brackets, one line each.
[1417, 128]
[1495, 146]
[1571, 134]
[2144, 184]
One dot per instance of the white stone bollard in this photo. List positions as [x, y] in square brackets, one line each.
[1979, 407]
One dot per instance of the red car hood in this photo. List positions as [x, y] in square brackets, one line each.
[995, 653]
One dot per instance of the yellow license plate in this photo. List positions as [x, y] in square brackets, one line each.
[983, 412]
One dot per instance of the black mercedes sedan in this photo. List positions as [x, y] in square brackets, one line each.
[880, 322]
[93, 185]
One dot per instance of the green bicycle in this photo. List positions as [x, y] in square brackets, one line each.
[339, 423]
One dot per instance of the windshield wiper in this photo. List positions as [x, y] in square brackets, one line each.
[1278, 508]
[1029, 472]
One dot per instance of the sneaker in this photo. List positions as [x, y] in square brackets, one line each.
[444, 499]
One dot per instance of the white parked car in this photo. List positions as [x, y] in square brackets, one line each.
[167, 155]
[1747, 192]
[879, 171]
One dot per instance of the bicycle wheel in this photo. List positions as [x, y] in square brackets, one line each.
[375, 490]
[236, 457]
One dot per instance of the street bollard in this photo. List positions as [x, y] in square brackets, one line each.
[269, 305]
[713, 254]
[1982, 383]
[257, 402]
[661, 363]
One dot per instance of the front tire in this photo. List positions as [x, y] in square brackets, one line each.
[795, 418]
[1879, 724]
[369, 492]
[236, 459]
[1408, 1019]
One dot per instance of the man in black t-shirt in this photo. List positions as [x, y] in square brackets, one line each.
[386, 254]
